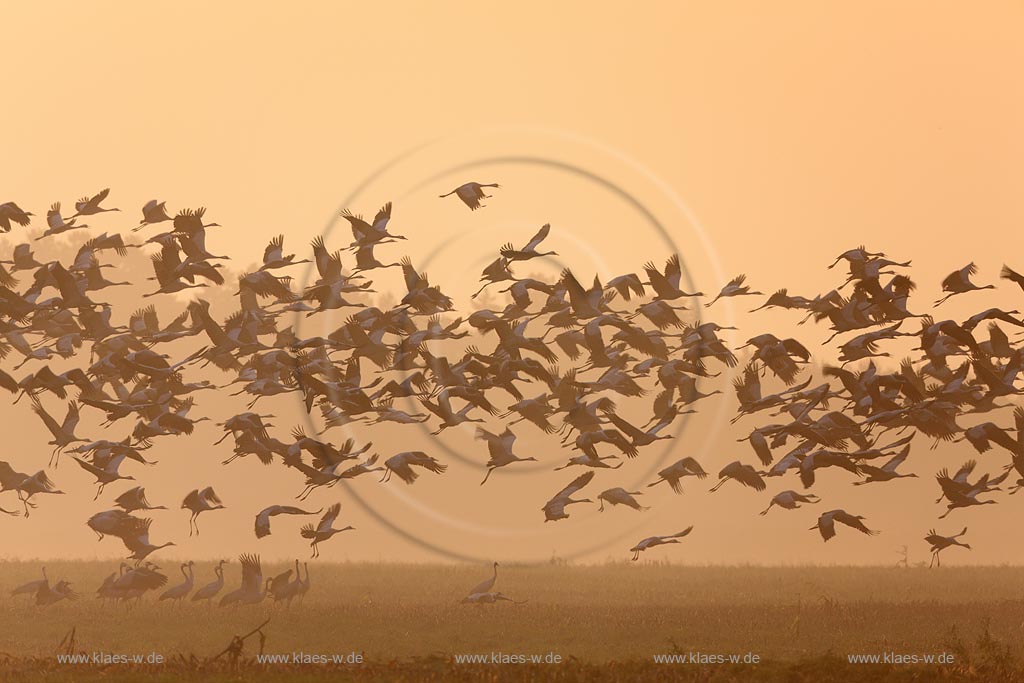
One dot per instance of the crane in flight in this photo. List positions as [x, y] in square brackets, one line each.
[619, 496]
[402, 465]
[87, 206]
[939, 543]
[63, 433]
[790, 500]
[529, 251]
[197, 502]
[674, 473]
[959, 282]
[11, 213]
[554, 509]
[744, 474]
[654, 541]
[471, 193]
[262, 526]
[324, 530]
[499, 447]
[826, 524]
[107, 474]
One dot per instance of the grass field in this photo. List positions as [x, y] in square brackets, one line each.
[604, 621]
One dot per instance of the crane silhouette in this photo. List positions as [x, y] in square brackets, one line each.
[654, 541]
[325, 529]
[608, 368]
[209, 591]
[554, 509]
[939, 543]
[262, 526]
[499, 446]
[180, 592]
[959, 282]
[200, 501]
[471, 193]
[827, 523]
[253, 589]
[487, 584]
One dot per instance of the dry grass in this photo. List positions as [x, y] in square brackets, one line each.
[608, 619]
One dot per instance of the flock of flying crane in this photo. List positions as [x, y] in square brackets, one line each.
[631, 334]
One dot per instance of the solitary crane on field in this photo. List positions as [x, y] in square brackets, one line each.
[486, 585]
[324, 530]
[60, 591]
[827, 523]
[490, 598]
[32, 587]
[940, 543]
[200, 501]
[653, 541]
[471, 193]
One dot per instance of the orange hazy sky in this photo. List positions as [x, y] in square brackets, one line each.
[763, 138]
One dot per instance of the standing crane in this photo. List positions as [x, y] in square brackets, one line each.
[210, 590]
[179, 592]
